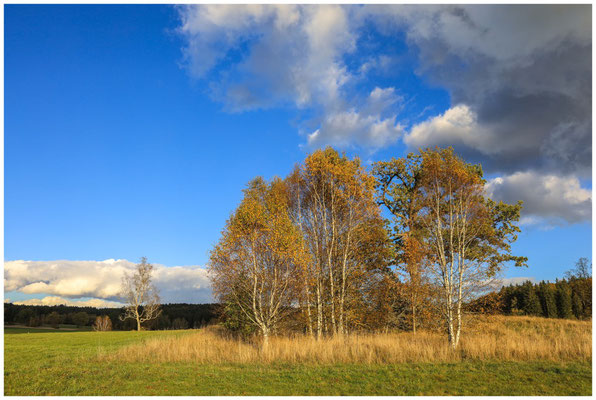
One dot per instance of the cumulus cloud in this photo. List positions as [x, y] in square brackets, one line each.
[556, 199]
[458, 125]
[56, 301]
[102, 280]
[294, 52]
[523, 71]
[516, 281]
[293, 55]
[498, 283]
[519, 78]
[367, 127]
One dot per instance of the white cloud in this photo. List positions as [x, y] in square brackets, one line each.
[279, 54]
[523, 71]
[518, 76]
[295, 55]
[497, 283]
[516, 280]
[294, 51]
[55, 301]
[457, 125]
[367, 127]
[102, 279]
[547, 198]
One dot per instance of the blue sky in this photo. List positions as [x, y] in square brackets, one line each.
[131, 130]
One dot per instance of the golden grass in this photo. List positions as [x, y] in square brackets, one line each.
[487, 338]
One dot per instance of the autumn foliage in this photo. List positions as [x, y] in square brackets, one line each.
[313, 253]
[102, 323]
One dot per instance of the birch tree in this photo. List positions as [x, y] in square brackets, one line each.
[259, 256]
[102, 323]
[469, 236]
[139, 293]
[334, 207]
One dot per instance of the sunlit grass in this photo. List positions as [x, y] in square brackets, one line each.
[494, 338]
[92, 363]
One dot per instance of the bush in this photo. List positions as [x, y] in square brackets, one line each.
[235, 321]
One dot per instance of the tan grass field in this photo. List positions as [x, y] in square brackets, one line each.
[499, 338]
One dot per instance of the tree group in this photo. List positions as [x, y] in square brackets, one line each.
[313, 250]
[567, 298]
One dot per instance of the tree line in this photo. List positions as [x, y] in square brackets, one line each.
[173, 316]
[565, 298]
[314, 252]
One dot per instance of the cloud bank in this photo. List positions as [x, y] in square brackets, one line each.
[557, 199]
[101, 281]
[56, 301]
[519, 78]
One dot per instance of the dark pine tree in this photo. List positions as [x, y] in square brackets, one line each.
[576, 305]
[563, 297]
[549, 301]
[532, 304]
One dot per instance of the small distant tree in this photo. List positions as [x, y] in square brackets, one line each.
[491, 303]
[142, 299]
[54, 319]
[80, 318]
[34, 321]
[581, 297]
[102, 323]
[508, 299]
[582, 270]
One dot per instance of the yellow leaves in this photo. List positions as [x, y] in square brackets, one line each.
[323, 224]
[259, 234]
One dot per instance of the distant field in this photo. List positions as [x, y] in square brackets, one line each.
[46, 329]
[104, 363]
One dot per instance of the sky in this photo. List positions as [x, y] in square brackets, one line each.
[131, 130]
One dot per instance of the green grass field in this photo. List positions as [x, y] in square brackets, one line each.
[48, 363]
[71, 329]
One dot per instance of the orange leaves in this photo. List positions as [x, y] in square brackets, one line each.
[255, 263]
[317, 241]
[333, 204]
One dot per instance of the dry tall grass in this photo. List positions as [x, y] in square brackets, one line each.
[487, 338]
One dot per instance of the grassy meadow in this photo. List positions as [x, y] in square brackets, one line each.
[498, 356]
